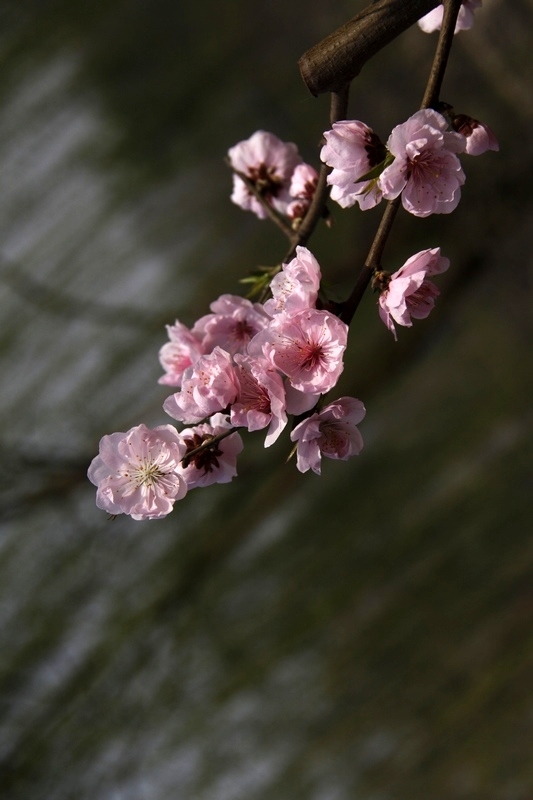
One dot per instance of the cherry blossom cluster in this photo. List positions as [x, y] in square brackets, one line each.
[254, 365]
[419, 162]
[259, 362]
[246, 365]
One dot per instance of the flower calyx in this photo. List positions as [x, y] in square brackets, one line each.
[380, 280]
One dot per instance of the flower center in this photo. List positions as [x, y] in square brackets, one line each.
[265, 179]
[423, 167]
[311, 355]
[147, 473]
[421, 296]
[243, 332]
[253, 396]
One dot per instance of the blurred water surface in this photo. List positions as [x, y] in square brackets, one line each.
[364, 635]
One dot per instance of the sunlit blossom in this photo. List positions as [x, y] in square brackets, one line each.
[295, 288]
[307, 347]
[210, 386]
[408, 294]
[331, 432]
[137, 472]
[233, 322]
[352, 149]
[261, 397]
[182, 351]
[425, 170]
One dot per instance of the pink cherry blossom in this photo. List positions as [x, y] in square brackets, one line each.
[207, 387]
[295, 288]
[234, 321]
[408, 294]
[182, 351]
[261, 397]
[303, 182]
[479, 137]
[307, 347]
[269, 163]
[352, 149]
[331, 432]
[137, 472]
[465, 19]
[214, 464]
[425, 170]
[302, 188]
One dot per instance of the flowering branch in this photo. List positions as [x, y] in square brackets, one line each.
[253, 365]
[431, 98]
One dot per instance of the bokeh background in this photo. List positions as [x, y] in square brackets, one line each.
[366, 635]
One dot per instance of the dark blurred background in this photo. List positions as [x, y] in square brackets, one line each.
[366, 635]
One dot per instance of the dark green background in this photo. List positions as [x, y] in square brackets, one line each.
[366, 635]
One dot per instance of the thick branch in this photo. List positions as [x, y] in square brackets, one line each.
[339, 58]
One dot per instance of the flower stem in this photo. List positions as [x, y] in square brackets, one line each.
[276, 218]
[338, 110]
[209, 442]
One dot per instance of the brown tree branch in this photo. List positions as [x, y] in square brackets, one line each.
[339, 58]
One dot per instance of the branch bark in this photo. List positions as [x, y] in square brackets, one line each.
[339, 58]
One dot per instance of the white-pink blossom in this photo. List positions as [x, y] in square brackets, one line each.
[207, 387]
[465, 19]
[307, 347]
[182, 351]
[352, 149]
[425, 170]
[137, 472]
[409, 294]
[295, 288]
[233, 322]
[216, 463]
[479, 137]
[269, 163]
[331, 432]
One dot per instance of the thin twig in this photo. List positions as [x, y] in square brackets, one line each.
[440, 62]
[275, 216]
[315, 212]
